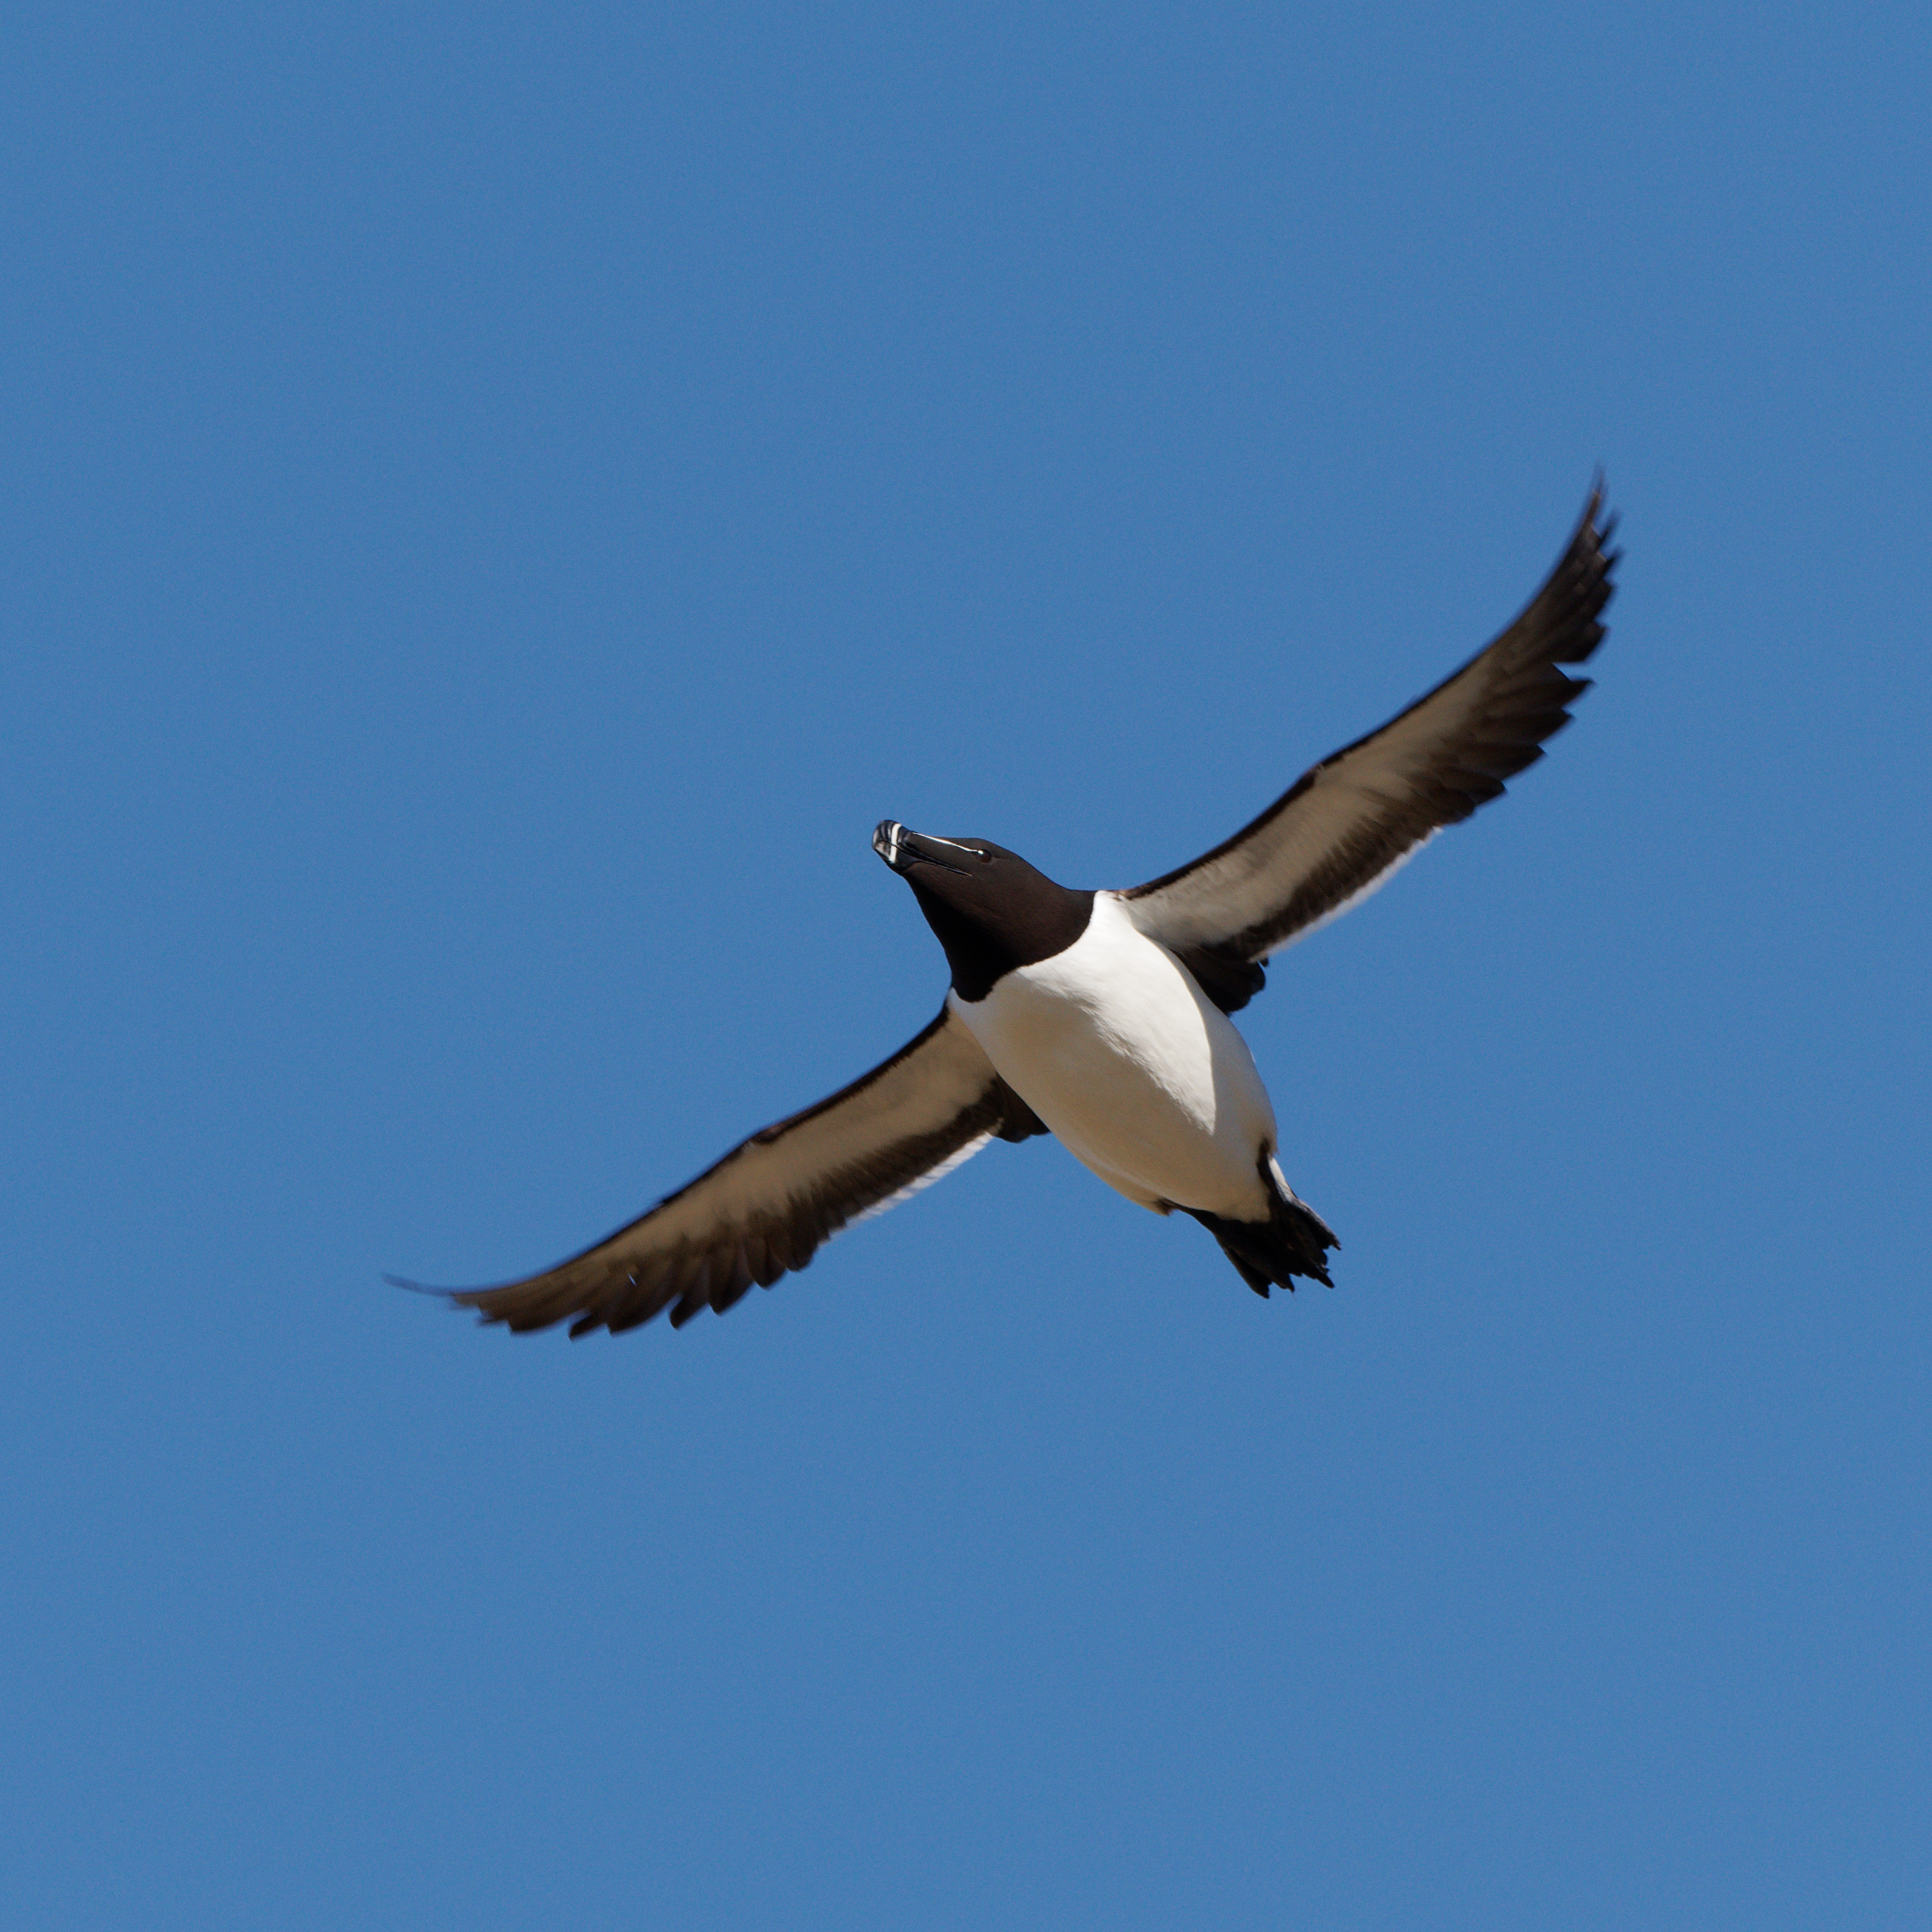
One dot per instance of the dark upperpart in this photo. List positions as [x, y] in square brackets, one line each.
[988, 908]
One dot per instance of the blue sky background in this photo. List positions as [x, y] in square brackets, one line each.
[497, 503]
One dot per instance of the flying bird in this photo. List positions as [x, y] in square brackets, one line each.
[1102, 1017]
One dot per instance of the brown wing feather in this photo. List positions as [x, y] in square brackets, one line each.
[767, 1207]
[1344, 825]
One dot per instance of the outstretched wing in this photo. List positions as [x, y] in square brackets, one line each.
[766, 1207]
[1342, 828]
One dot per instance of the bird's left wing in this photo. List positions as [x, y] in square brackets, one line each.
[1343, 826]
[769, 1204]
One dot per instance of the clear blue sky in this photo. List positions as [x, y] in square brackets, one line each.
[498, 501]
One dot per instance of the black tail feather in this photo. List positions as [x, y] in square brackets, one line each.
[1293, 1240]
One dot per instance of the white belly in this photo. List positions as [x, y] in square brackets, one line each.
[1114, 1047]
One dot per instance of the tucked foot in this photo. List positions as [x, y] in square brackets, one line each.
[1293, 1240]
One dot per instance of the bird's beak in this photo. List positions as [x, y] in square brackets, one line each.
[902, 848]
[886, 841]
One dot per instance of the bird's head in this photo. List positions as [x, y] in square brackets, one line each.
[989, 909]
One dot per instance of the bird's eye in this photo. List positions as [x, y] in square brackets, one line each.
[985, 857]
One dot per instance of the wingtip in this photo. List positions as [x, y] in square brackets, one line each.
[452, 1297]
[1601, 523]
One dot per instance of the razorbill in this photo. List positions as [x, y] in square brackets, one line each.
[1101, 1017]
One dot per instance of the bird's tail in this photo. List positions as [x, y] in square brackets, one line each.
[1293, 1240]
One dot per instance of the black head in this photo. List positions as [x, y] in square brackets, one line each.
[990, 910]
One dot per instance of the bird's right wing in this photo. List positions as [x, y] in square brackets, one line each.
[767, 1206]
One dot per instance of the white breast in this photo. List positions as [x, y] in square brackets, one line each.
[1114, 1047]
